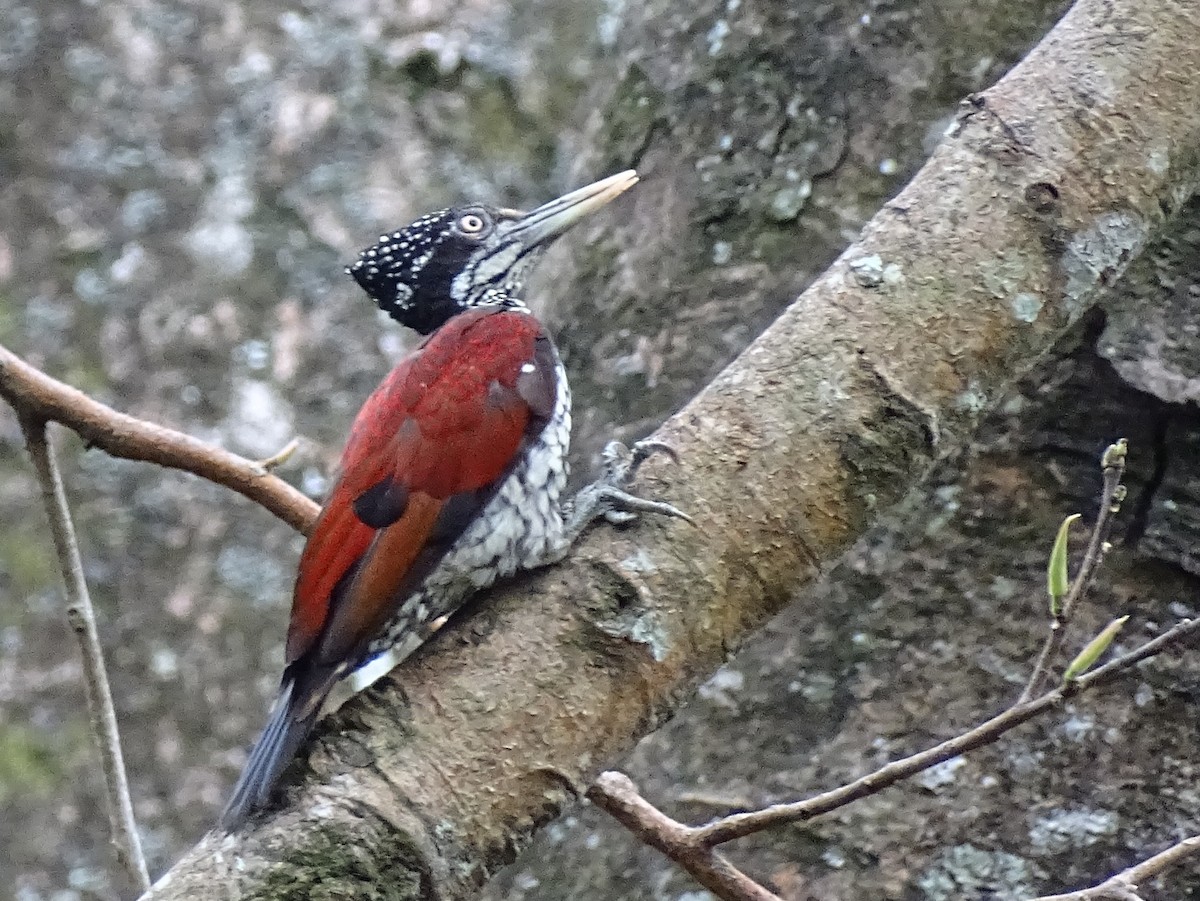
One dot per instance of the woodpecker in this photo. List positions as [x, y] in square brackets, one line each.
[455, 467]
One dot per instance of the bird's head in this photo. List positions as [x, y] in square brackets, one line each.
[469, 256]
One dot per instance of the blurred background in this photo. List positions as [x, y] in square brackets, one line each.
[181, 184]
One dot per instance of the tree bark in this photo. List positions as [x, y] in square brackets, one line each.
[1044, 190]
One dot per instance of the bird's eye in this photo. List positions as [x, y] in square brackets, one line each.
[472, 224]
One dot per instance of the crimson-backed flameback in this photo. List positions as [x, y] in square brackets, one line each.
[455, 466]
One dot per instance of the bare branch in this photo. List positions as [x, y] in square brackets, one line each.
[1113, 464]
[616, 793]
[1124, 886]
[691, 846]
[83, 621]
[743, 824]
[38, 399]
[34, 394]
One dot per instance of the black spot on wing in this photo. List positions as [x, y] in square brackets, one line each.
[537, 382]
[454, 518]
[381, 504]
[457, 513]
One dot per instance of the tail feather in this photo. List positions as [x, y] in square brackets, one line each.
[288, 725]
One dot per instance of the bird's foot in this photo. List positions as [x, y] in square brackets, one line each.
[607, 498]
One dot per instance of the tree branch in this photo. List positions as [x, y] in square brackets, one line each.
[83, 622]
[686, 845]
[616, 793]
[34, 394]
[38, 399]
[1124, 886]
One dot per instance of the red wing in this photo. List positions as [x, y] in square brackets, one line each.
[365, 606]
[455, 444]
[445, 424]
[337, 543]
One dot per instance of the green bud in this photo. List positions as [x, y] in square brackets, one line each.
[1095, 649]
[1114, 454]
[1058, 580]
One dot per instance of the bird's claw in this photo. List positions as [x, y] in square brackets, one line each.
[648, 447]
[607, 498]
[619, 517]
[621, 464]
[621, 507]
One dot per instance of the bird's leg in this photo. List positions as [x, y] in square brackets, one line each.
[607, 498]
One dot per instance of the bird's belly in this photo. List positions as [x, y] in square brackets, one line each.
[517, 529]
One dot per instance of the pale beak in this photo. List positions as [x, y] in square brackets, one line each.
[551, 219]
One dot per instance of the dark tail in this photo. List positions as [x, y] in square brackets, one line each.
[290, 722]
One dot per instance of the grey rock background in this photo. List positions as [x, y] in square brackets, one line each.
[180, 185]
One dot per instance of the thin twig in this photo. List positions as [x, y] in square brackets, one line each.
[281, 456]
[1113, 463]
[743, 824]
[33, 393]
[692, 847]
[83, 621]
[1124, 886]
[616, 793]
